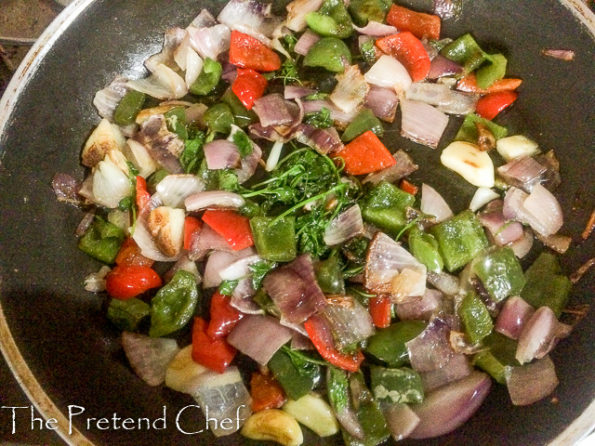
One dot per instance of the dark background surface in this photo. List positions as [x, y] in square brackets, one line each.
[62, 330]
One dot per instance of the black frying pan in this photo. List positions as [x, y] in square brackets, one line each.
[60, 330]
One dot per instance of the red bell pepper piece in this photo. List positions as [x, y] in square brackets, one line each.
[126, 282]
[130, 254]
[490, 105]
[214, 354]
[246, 51]
[266, 392]
[408, 50]
[224, 317]
[365, 154]
[230, 225]
[142, 194]
[380, 310]
[408, 187]
[191, 226]
[419, 24]
[322, 338]
[468, 83]
[249, 86]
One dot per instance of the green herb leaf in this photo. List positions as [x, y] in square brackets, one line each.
[259, 270]
[193, 155]
[243, 143]
[321, 119]
[227, 287]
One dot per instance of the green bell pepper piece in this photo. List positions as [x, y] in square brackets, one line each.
[363, 11]
[102, 240]
[219, 118]
[130, 105]
[460, 239]
[476, 318]
[174, 304]
[402, 385]
[500, 273]
[498, 356]
[468, 130]
[297, 377]
[546, 286]
[492, 71]
[127, 314]
[274, 240]
[176, 122]
[242, 116]
[364, 121]
[384, 206]
[337, 386]
[208, 78]
[331, 20]
[328, 53]
[465, 51]
[368, 50]
[424, 248]
[329, 275]
[388, 344]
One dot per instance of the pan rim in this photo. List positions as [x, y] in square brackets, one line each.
[577, 430]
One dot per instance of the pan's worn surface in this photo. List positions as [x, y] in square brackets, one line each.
[61, 331]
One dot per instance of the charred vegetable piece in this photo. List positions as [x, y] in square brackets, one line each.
[130, 105]
[500, 273]
[388, 344]
[460, 239]
[546, 286]
[385, 205]
[173, 305]
[364, 121]
[476, 318]
[102, 240]
[127, 314]
[328, 53]
[274, 239]
[424, 248]
[402, 385]
[208, 79]
[266, 392]
[296, 375]
[419, 24]
[468, 130]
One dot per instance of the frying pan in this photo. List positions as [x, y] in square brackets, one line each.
[55, 336]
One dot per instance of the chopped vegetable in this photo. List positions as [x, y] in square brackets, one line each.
[224, 317]
[314, 413]
[491, 105]
[266, 392]
[385, 205]
[364, 121]
[419, 24]
[380, 310]
[408, 50]
[274, 425]
[127, 314]
[102, 240]
[500, 273]
[130, 105]
[230, 225]
[215, 354]
[246, 51]
[127, 281]
[249, 86]
[331, 20]
[297, 375]
[476, 318]
[208, 79]
[274, 239]
[388, 344]
[396, 385]
[329, 53]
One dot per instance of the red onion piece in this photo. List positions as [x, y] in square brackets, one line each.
[386, 259]
[85, 223]
[565, 55]
[376, 29]
[502, 231]
[422, 123]
[301, 342]
[403, 167]
[272, 110]
[401, 420]
[523, 245]
[230, 72]
[336, 114]
[422, 308]
[345, 226]
[431, 349]
[383, 102]
[322, 140]
[204, 241]
[433, 203]
[457, 368]
[249, 164]
[543, 211]
[451, 406]
[294, 290]
[348, 320]
[532, 382]
[149, 357]
[213, 199]
[241, 298]
[539, 335]
[305, 42]
[183, 264]
[106, 100]
[522, 172]
[512, 318]
[296, 92]
[66, 188]
[441, 66]
[259, 337]
[221, 154]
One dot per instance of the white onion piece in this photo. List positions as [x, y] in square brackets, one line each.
[106, 100]
[376, 29]
[390, 73]
[432, 203]
[439, 95]
[217, 262]
[297, 11]
[194, 65]
[539, 335]
[401, 420]
[171, 80]
[210, 42]
[274, 156]
[542, 211]
[450, 406]
[345, 226]
[226, 397]
[184, 264]
[351, 89]
[174, 189]
[482, 196]
[556, 242]
[172, 39]
[240, 268]
[147, 245]
[204, 19]
[386, 259]
[305, 42]
[183, 374]
[95, 282]
[445, 282]
[149, 357]
[532, 382]
[110, 184]
[213, 199]
[422, 123]
[245, 15]
[138, 155]
[512, 318]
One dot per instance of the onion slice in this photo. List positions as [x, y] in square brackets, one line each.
[532, 382]
[401, 420]
[345, 226]
[539, 335]
[213, 199]
[376, 29]
[401, 169]
[512, 318]
[433, 203]
[422, 123]
[174, 189]
[431, 349]
[149, 357]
